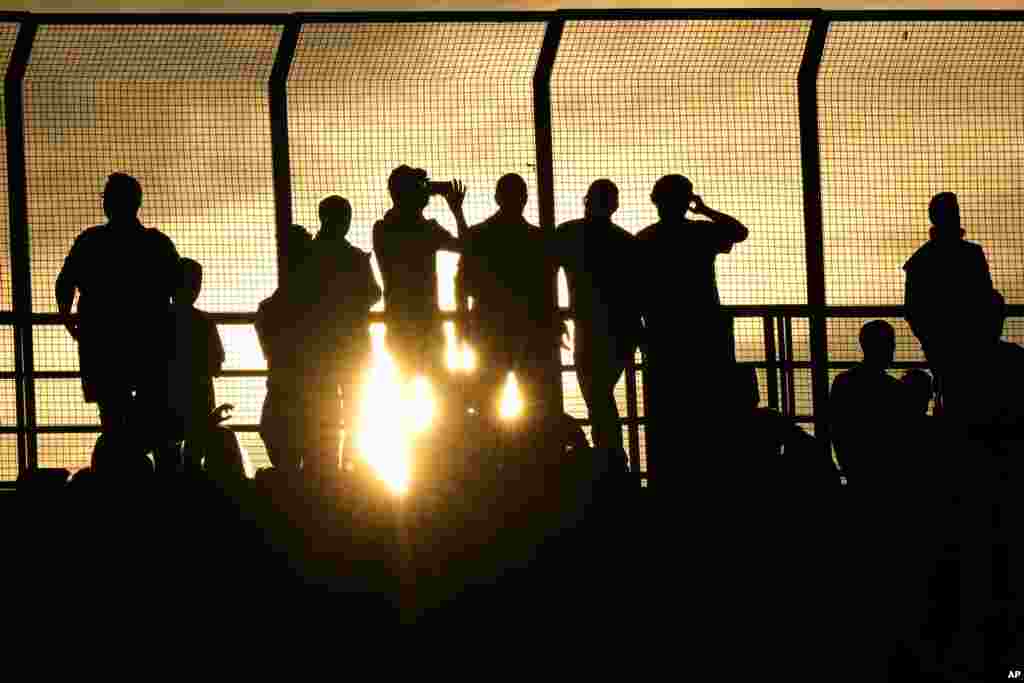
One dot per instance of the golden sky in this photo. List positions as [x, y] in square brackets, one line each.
[336, 5]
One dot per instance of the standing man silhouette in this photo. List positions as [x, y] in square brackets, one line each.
[124, 274]
[343, 289]
[948, 291]
[406, 245]
[690, 348]
[507, 269]
[599, 259]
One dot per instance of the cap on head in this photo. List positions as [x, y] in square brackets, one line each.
[602, 198]
[511, 192]
[335, 210]
[672, 190]
[944, 211]
[122, 195]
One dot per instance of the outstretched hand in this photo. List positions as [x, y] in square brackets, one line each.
[456, 195]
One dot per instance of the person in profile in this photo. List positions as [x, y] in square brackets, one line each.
[507, 269]
[343, 289]
[197, 357]
[677, 257]
[285, 422]
[867, 408]
[406, 244]
[948, 288]
[599, 259]
[124, 274]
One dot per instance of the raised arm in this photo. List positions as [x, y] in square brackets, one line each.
[455, 197]
[728, 230]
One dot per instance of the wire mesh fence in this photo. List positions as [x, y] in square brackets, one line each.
[905, 109]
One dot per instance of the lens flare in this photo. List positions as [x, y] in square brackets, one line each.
[394, 412]
[384, 446]
[511, 405]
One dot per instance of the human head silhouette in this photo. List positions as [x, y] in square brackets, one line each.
[919, 390]
[878, 342]
[510, 194]
[672, 195]
[408, 188]
[191, 282]
[336, 215]
[122, 196]
[944, 212]
[602, 199]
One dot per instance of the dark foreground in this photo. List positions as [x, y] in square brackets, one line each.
[754, 583]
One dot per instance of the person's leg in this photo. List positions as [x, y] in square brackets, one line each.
[327, 404]
[597, 381]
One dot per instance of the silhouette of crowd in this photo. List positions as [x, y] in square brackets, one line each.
[928, 459]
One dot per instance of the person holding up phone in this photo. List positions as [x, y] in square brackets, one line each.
[406, 244]
[690, 345]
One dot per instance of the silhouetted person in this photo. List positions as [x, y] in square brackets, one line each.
[948, 288]
[508, 270]
[867, 408]
[124, 274]
[343, 288]
[689, 340]
[286, 425]
[768, 448]
[196, 358]
[599, 259]
[406, 245]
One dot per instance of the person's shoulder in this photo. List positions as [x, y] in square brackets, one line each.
[844, 378]
[921, 254]
[160, 239]
[622, 233]
[650, 232]
[92, 234]
[570, 226]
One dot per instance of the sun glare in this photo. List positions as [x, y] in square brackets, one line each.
[511, 405]
[393, 413]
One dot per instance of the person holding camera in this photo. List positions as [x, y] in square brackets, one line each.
[687, 363]
[406, 244]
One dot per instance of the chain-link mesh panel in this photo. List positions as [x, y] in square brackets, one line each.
[713, 100]
[8, 457]
[453, 98]
[182, 108]
[8, 34]
[72, 451]
[241, 348]
[844, 344]
[907, 110]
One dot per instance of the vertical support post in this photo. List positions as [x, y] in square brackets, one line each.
[771, 359]
[810, 156]
[17, 182]
[546, 179]
[789, 358]
[278, 92]
[633, 415]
